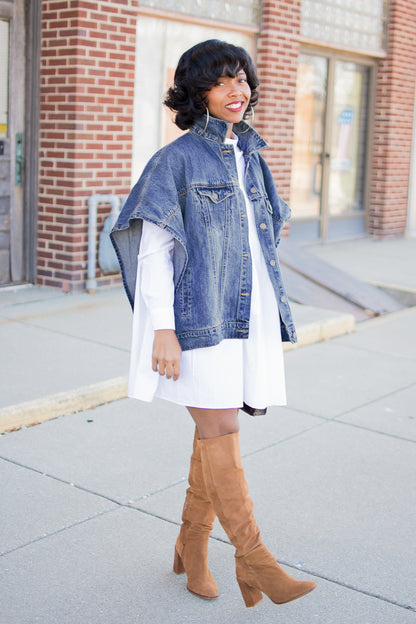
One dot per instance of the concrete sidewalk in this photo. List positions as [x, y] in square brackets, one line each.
[89, 518]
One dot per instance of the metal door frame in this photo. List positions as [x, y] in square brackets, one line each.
[32, 123]
[24, 17]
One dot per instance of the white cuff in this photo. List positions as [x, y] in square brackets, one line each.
[162, 318]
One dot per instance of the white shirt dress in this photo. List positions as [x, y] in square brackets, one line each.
[226, 375]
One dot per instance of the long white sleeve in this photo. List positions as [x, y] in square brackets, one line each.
[156, 270]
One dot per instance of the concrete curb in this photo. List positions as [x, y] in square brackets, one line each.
[34, 412]
[318, 331]
[407, 296]
[87, 397]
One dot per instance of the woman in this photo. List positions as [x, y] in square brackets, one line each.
[197, 241]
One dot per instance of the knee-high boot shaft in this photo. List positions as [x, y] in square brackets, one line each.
[257, 570]
[198, 515]
[198, 511]
[228, 490]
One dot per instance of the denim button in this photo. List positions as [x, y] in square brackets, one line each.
[273, 262]
[253, 189]
[214, 195]
[294, 335]
[263, 226]
[283, 299]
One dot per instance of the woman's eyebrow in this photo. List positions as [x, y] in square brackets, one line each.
[240, 71]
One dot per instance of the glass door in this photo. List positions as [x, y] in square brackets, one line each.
[308, 147]
[328, 183]
[12, 137]
[5, 184]
[348, 148]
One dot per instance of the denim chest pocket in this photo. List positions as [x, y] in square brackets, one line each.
[215, 205]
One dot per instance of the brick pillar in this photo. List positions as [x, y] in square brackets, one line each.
[87, 89]
[277, 61]
[393, 124]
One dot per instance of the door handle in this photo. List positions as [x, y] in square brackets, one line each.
[19, 159]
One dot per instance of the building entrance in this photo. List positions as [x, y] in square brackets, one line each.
[12, 119]
[329, 173]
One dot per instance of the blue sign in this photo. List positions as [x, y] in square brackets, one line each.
[345, 117]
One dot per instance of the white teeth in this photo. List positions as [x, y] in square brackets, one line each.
[237, 105]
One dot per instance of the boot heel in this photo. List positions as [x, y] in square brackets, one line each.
[251, 595]
[177, 564]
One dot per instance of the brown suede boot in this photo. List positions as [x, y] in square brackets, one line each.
[191, 550]
[256, 568]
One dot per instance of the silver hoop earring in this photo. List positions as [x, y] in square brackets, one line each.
[206, 125]
[252, 121]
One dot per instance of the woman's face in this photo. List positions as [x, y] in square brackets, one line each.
[229, 98]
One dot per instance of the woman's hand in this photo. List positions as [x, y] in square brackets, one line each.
[166, 356]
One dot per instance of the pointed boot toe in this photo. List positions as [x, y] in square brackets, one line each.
[258, 572]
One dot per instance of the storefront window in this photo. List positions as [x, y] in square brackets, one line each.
[153, 124]
[350, 23]
[246, 12]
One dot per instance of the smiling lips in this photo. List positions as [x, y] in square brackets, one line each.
[235, 106]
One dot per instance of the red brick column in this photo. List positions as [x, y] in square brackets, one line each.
[277, 61]
[87, 84]
[393, 124]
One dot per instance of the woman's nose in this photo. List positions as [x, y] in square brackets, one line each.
[235, 88]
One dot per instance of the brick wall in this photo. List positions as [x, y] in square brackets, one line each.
[87, 84]
[277, 60]
[393, 124]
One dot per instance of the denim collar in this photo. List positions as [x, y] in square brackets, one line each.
[248, 139]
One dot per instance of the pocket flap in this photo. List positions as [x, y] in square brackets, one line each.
[216, 194]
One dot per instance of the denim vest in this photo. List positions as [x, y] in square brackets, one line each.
[190, 188]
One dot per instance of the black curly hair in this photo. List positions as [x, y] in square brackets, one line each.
[198, 71]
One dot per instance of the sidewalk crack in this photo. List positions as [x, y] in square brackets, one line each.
[56, 532]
